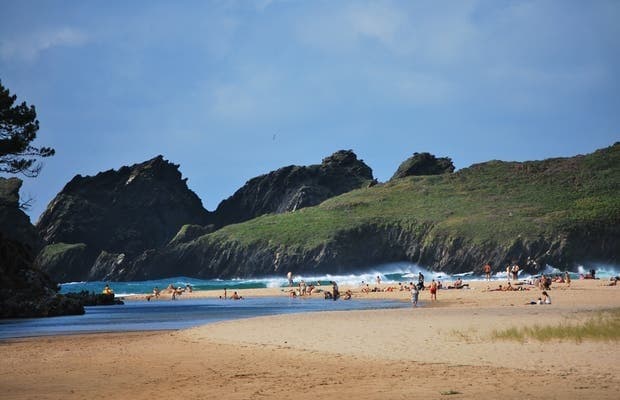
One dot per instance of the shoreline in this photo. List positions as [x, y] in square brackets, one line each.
[442, 347]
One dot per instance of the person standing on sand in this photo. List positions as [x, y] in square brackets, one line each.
[415, 292]
[487, 271]
[515, 272]
[336, 292]
[378, 280]
[433, 290]
[567, 278]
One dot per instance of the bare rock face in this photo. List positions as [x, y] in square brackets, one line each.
[125, 211]
[424, 164]
[26, 290]
[14, 223]
[294, 187]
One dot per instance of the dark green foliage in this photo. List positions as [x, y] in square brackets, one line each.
[424, 164]
[18, 128]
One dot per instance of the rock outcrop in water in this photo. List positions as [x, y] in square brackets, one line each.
[26, 290]
[294, 187]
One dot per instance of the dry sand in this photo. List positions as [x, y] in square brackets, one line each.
[428, 352]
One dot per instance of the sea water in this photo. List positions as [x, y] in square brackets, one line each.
[172, 315]
[163, 315]
[388, 273]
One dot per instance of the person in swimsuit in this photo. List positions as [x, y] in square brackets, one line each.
[415, 292]
[487, 271]
[433, 290]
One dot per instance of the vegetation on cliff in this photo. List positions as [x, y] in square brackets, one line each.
[508, 210]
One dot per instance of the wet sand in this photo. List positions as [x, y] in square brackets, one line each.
[431, 351]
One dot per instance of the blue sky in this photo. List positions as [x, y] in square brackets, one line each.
[209, 83]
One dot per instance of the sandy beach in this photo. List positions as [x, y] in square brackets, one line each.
[442, 349]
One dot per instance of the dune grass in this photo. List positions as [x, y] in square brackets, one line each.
[605, 326]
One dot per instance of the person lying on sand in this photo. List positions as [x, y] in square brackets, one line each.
[499, 289]
[458, 284]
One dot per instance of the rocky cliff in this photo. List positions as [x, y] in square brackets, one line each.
[562, 212]
[112, 225]
[424, 164]
[294, 187]
[126, 211]
[26, 290]
[14, 223]
[120, 213]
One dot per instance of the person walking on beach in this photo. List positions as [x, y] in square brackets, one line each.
[378, 280]
[415, 292]
[487, 271]
[289, 276]
[567, 278]
[433, 290]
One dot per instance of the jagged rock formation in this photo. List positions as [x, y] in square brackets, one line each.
[561, 212]
[14, 223]
[126, 211]
[104, 227]
[26, 290]
[294, 187]
[424, 164]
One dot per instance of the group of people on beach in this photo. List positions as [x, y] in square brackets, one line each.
[234, 296]
[171, 290]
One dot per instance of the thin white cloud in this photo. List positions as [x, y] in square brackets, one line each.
[252, 95]
[425, 30]
[375, 21]
[29, 47]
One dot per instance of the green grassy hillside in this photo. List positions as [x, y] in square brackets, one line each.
[493, 202]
